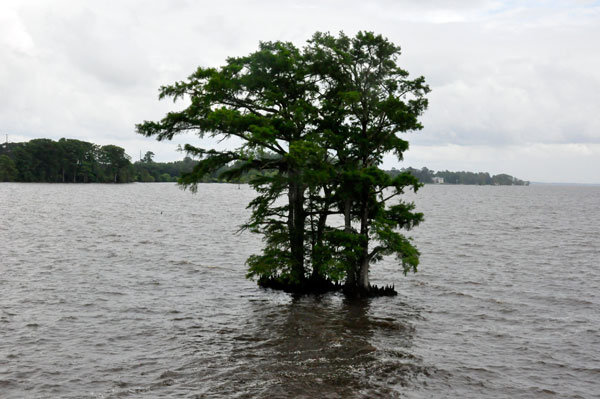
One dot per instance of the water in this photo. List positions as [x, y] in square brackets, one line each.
[138, 291]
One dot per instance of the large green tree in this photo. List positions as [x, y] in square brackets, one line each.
[319, 120]
[368, 100]
[266, 100]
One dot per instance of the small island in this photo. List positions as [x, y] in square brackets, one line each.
[428, 176]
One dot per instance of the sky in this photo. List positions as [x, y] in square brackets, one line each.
[515, 84]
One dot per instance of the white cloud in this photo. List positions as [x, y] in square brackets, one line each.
[13, 35]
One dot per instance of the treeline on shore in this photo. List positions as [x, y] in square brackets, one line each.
[76, 161]
[446, 177]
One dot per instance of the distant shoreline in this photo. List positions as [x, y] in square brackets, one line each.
[535, 183]
[76, 161]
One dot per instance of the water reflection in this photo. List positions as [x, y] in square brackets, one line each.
[323, 346]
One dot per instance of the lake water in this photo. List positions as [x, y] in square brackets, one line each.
[138, 291]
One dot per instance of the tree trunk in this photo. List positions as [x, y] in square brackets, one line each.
[352, 269]
[363, 278]
[321, 224]
[347, 216]
[363, 273]
[296, 219]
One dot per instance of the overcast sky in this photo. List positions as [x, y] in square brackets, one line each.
[515, 84]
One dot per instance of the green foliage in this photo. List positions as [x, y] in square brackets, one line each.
[8, 170]
[75, 161]
[68, 160]
[115, 161]
[78, 159]
[266, 100]
[148, 171]
[369, 100]
[314, 124]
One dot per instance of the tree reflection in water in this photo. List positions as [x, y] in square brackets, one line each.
[323, 346]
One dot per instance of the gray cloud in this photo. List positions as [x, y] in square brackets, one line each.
[504, 75]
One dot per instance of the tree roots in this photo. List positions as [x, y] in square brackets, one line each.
[317, 286]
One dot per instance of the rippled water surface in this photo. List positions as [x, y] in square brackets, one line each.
[138, 291]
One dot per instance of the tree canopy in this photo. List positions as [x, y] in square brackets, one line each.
[65, 161]
[76, 161]
[318, 120]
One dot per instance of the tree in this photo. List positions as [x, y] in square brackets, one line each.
[318, 122]
[148, 157]
[115, 161]
[77, 159]
[266, 100]
[40, 161]
[503, 180]
[8, 170]
[368, 101]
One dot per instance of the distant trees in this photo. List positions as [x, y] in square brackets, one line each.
[115, 162]
[148, 171]
[481, 178]
[66, 160]
[316, 123]
[76, 161]
[40, 160]
[8, 169]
